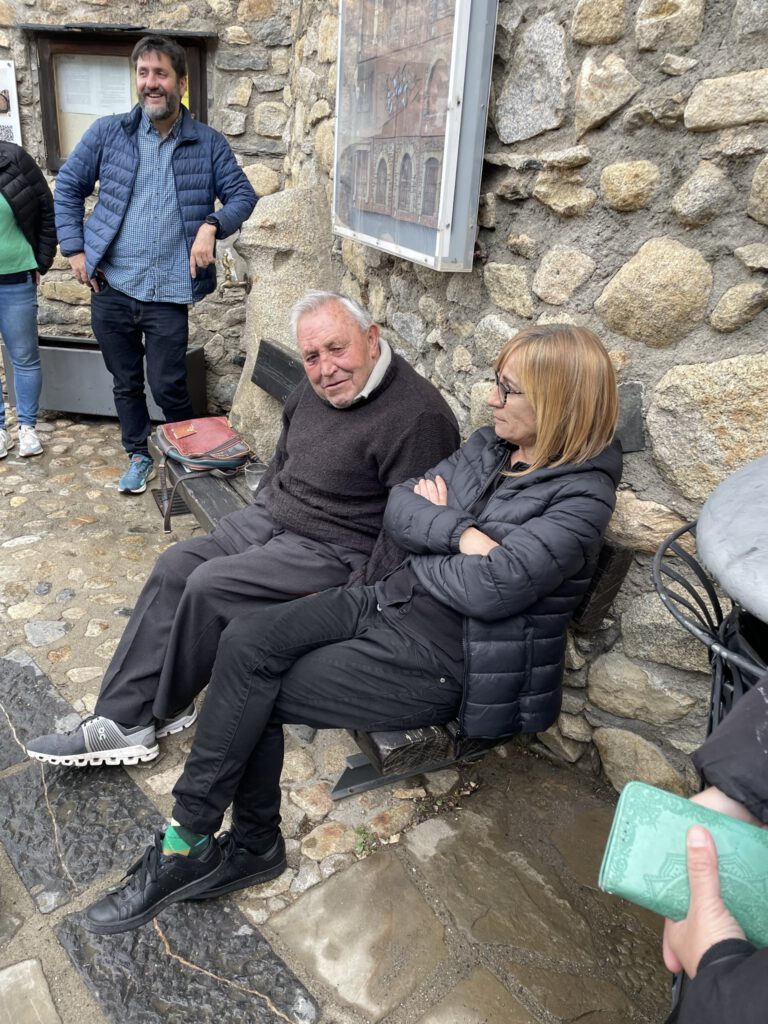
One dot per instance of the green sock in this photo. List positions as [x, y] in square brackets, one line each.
[183, 842]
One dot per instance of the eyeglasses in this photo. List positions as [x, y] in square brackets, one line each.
[505, 390]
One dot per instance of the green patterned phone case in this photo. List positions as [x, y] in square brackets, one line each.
[645, 857]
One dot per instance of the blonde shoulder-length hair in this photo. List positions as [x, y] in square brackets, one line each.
[569, 380]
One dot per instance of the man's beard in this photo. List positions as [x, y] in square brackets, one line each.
[171, 105]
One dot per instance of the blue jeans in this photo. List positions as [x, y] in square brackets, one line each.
[118, 323]
[18, 326]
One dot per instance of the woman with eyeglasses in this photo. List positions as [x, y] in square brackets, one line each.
[501, 540]
[27, 248]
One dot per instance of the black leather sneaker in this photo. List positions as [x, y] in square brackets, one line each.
[151, 884]
[241, 868]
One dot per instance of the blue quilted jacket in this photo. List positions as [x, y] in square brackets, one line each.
[204, 169]
[518, 599]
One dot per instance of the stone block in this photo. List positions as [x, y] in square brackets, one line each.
[386, 961]
[564, 192]
[70, 292]
[533, 96]
[235, 35]
[704, 196]
[561, 746]
[749, 22]
[758, 194]
[239, 92]
[256, 10]
[507, 286]
[675, 64]
[269, 119]
[325, 139]
[627, 756]
[233, 122]
[650, 633]
[560, 273]
[491, 334]
[264, 179]
[523, 245]
[706, 420]
[629, 185]
[624, 688]
[660, 23]
[739, 306]
[754, 256]
[597, 22]
[328, 38]
[659, 295]
[601, 90]
[642, 524]
[728, 101]
[479, 999]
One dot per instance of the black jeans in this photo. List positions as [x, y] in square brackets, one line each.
[118, 323]
[329, 661]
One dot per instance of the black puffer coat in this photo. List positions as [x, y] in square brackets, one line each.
[518, 599]
[26, 191]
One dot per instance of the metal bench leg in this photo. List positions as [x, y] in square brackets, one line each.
[360, 775]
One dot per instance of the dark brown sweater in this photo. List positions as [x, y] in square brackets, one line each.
[333, 468]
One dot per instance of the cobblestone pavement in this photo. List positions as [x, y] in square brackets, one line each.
[466, 896]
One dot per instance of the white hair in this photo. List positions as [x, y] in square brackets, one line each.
[314, 300]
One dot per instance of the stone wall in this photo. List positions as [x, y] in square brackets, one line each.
[625, 188]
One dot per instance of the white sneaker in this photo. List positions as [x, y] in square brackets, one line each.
[6, 442]
[29, 442]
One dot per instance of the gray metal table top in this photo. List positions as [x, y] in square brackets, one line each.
[732, 536]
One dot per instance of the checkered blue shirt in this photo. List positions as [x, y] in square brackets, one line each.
[149, 259]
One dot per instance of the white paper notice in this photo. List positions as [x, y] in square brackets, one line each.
[93, 85]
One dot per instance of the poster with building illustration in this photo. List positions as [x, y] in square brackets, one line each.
[402, 72]
[10, 126]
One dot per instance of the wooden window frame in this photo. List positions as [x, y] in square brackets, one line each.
[106, 44]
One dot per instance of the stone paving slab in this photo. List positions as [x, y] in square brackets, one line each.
[62, 828]
[24, 995]
[495, 893]
[368, 934]
[478, 999]
[29, 706]
[198, 962]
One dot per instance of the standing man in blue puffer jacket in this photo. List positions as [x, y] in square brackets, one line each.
[148, 249]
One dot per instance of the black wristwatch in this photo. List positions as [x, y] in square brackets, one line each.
[210, 219]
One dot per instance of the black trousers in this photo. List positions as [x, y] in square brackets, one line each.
[119, 322]
[329, 661]
[166, 653]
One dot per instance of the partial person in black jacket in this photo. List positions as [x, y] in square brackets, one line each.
[27, 248]
[729, 977]
[502, 536]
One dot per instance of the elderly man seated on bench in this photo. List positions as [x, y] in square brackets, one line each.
[362, 422]
[503, 538]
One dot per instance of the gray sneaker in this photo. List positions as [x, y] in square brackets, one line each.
[96, 741]
[170, 726]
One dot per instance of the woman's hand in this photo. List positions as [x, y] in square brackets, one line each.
[435, 490]
[475, 542]
[709, 921]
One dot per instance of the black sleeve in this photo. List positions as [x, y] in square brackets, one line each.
[45, 241]
[735, 757]
[731, 985]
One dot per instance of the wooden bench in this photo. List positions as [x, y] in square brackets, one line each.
[394, 755]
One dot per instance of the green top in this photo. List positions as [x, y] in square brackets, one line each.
[16, 254]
